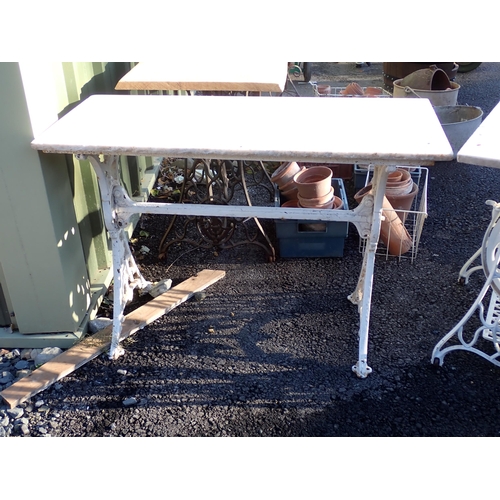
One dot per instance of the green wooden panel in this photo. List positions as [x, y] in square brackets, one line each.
[72, 95]
[40, 250]
[69, 249]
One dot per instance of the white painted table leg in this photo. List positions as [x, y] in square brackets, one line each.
[363, 294]
[119, 292]
[126, 277]
[126, 274]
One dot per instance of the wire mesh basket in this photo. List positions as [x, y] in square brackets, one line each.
[368, 92]
[413, 219]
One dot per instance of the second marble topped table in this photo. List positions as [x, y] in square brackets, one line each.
[205, 75]
[383, 132]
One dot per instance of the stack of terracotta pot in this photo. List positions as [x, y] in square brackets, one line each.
[400, 193]
[315, 190]
[283, 177]
[306, 187]
[355, 90]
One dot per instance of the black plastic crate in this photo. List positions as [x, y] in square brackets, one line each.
[298, 238]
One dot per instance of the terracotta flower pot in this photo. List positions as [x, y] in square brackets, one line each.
[353, 89]
[327, 205]
[289, 190]
[314, 202]
[393, 233]
[403, 201]
[290, 184]
[400, 194]
[362, 193]
[291, 194]
[399, 187]
[337, 203]
[395, 188]
[373, 91]
[395, 176]
[291, 204]
[314, 182]
[323, 89]
[284, 173]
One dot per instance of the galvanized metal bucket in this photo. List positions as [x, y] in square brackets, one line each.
[459, 123]
[396, 70]
[437, 97]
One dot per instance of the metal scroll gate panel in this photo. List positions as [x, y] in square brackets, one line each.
[55, 261]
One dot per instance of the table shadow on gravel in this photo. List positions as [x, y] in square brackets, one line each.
[205, 355]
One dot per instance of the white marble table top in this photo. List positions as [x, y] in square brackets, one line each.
[264, 76]
[344, 130]
[483, 146]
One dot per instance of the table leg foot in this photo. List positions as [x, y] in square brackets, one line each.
[116, 353]
[361, 369]
[126, 274]
[126, 278]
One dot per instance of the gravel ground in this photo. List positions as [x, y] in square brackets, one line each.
[268, 351]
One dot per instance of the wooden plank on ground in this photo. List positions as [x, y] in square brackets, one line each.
[92, 346]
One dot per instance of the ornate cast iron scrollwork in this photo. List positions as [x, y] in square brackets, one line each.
[218, 182]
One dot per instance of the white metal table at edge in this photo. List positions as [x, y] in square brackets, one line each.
[482, 149]
[103, 127]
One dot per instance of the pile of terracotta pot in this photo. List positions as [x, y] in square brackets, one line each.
[400, 194]
[352, 90]
[400, 191]
[306, 187]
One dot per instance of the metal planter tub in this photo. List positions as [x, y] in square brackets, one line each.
[437, 97]
[459, 123]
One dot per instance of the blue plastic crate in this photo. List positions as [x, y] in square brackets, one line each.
[312, 238]
[311, 247]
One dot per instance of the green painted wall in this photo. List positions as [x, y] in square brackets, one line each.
[55, 259]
